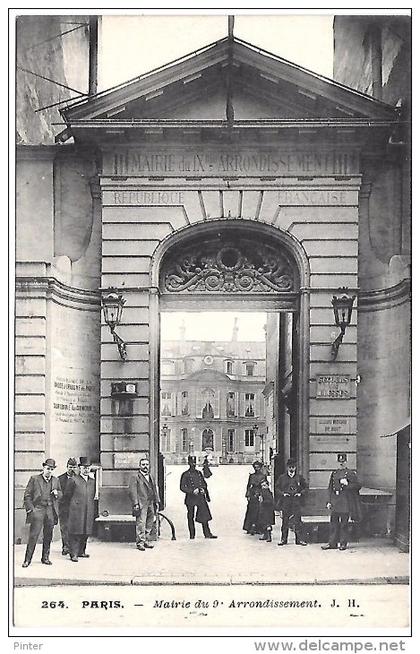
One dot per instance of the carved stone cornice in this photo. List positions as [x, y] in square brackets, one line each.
[384, 298]
[50, 288]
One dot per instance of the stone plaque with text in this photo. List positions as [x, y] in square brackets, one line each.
[333, 387]
[222, 162]
[333, 425]
[127, 460]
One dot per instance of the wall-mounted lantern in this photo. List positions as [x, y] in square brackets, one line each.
[342, 307]
[113, 305]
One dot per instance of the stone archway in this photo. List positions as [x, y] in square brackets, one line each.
[245, 266]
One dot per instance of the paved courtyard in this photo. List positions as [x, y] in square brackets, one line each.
[234, 558]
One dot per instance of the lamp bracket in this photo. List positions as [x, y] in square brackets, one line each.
[336, 344]
[121, 345]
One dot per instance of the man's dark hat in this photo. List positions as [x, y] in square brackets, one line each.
[257, 464]
[192, 459]
[342, 457]
[50, 463]
[72, 461]
[84, 461]
[291, 463]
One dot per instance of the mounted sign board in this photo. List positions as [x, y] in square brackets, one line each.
[333, 387]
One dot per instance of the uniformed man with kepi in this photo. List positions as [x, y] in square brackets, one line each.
[343, 502]
[63, 505]
[194, 486]
[290, 491]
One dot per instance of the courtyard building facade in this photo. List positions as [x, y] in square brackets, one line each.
[229, 180]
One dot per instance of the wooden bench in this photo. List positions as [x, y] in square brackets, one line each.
[316, 528]
[107, 522]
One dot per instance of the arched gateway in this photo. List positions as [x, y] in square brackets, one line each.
[227, 264]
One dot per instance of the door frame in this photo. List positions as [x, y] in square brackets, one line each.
[297, 302]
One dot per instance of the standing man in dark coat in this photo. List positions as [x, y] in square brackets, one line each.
[253, 494]
[194, 486]
[343, 502]
[41, 503]
[290, 491]
[63, 505]
[144, 497]
[80, 495]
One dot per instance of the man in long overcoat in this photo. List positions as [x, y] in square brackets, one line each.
[144, 497]
[40, 500]
[197, 497]
[344, 503]
[80, 495]
[253, 494]
[63, 505]
[290, 491]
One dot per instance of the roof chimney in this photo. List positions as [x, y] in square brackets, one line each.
[235, 330]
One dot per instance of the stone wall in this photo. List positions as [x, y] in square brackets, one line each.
[319, 212]
[42, 48]
[57, 315]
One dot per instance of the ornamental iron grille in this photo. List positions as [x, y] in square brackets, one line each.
[225, 266]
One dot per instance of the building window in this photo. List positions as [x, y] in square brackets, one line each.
[165, 440]
[184, 404]
[184, 440]
[231, 440]
[249, 369]
[249, 405]
[208, 439]
[249, 438]
[166, 404]
[230, 405]
[229, 367]
[207, 411]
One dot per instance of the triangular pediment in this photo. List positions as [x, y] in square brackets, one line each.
[261, 86]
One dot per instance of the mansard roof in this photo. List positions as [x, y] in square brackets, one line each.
[265, 90]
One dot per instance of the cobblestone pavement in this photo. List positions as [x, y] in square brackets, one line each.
[234, 558]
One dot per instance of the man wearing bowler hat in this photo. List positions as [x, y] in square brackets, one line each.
[63, 505]
[41, 503]
[144, 497]
[194, 486]
[80, 495]
[343, 501]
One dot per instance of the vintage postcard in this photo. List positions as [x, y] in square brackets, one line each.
[212, 330]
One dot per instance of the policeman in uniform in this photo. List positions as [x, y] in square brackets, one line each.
[194, 486]
[290, 491]
[343, 502]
